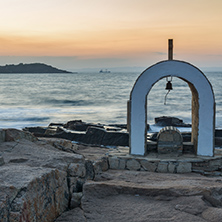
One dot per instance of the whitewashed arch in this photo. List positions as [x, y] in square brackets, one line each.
[203, 105]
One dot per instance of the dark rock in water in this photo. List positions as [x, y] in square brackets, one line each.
[83, 133]
[116, 139]
[37, 131]
[100, 136]
[75, 125]
[55, 124]
[60, 133]
[170, 121]
[78, 125]
[94, 136]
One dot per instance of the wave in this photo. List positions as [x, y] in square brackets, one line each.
[28, 119]
[67, 102]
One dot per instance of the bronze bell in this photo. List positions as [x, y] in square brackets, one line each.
[169, 85]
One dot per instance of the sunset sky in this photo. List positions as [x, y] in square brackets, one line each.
[74, 34]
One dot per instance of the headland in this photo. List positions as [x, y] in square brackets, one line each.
[30, 68]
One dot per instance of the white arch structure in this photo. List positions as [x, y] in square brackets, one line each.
[203, 105]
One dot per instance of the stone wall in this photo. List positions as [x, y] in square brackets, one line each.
[120, 159]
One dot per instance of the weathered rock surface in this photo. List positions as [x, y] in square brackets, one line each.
[212, 214]
[40, 178]
[143, 196]
[8, 135]
[75, 215]
[35, 177]
[32, 193]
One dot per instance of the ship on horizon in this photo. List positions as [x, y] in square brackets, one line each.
[104, 71]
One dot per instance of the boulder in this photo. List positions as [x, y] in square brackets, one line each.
[36, 131]
[170, 121]
[78, 125]
[16, 135]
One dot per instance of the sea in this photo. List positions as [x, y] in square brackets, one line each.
[28, 100]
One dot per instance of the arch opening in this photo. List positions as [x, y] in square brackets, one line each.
[178, 101]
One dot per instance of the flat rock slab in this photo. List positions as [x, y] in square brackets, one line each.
[127, 207]
[117, 195]
[36, 154]
[92, 152]
[157, 180]
[154, 184]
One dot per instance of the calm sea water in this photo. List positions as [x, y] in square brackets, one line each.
[39, 99]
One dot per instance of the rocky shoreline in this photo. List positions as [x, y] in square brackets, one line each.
[46, 178]
[108, 135]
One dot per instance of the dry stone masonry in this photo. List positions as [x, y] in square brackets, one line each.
[120, 159]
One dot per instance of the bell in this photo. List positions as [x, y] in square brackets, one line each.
[169, 85]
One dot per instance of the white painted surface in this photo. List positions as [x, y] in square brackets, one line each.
[139, 97]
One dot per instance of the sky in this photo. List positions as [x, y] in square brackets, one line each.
[74, 34]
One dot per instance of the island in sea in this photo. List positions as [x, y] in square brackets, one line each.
[31, 68]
